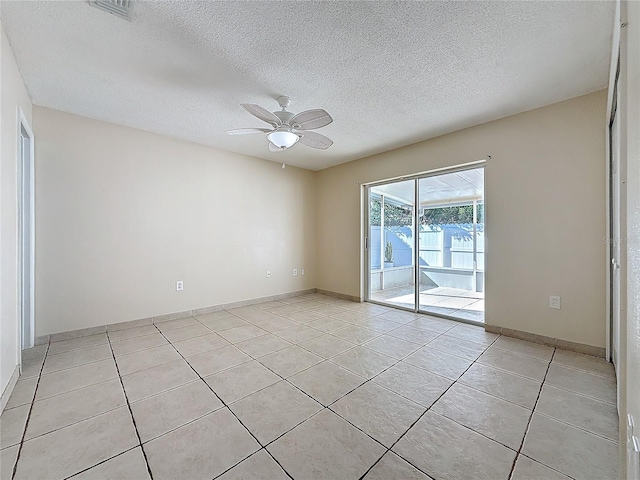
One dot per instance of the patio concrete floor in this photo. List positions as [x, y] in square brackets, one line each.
[455, 302]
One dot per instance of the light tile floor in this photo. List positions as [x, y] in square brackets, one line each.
[311, 387]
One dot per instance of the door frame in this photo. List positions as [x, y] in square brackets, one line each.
[610, 112]
[23, 124]
[614, 231]
[366, 242]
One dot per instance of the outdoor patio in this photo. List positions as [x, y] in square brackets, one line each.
[455, 302]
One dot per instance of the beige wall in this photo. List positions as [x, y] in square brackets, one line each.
[545, 188]
[13, 95]
[122, 214]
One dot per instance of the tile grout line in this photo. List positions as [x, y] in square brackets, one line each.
[340, 366]
[73, 389]
[133, 420]
[324, 359]
[492, 395]
[349, 323]
[40, 435]
[577, 427]
[356, 345]
[77, 349]
[380, 373]
[504, 370]
[422, 415]
[547, 466]
[262, 447]
[584, 370]
[327, 407]
[297, 388]
[316, 413]
[526, 430]
[519, 354]
[247, 458]
[590, 397]
[439, 334]
[76, 366]
[298, 324]
[366, 381]
[26, 424]
[65, 393]
[101, 462]
[372, 378]
[329, 360]
[555, 419]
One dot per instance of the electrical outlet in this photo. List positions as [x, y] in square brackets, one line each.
[295, 272]
[554, 302]
[633, 450]
[179, 286]
[302, 271]
[268, 273]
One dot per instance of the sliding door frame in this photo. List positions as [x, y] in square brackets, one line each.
[416, 238]
[26, 224]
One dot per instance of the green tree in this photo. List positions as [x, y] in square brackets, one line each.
[394, 216]
[459, 215]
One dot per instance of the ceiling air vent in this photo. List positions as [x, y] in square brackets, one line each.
[119, 8]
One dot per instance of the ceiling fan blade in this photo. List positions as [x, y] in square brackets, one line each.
[247, 131]
[310, 119]
[261, 113]
[274, 148]
[314, 140]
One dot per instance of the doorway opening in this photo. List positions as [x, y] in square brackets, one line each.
[425, 244]
[26, 229]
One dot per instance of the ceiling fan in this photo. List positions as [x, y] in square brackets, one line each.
[288, 128]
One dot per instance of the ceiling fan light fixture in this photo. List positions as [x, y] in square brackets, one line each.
[288, 129]
[283, 138]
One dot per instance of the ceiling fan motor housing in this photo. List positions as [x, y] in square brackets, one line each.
[284, 116]
[283, 101]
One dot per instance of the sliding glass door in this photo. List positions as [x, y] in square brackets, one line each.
[451, 244]
[429, 258]
[392, 245]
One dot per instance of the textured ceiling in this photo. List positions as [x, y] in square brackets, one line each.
[390, 73]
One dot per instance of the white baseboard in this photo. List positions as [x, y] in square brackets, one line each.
[83, 332]
[9, 388]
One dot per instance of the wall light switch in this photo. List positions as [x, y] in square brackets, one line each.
[179, 286]
[295, 272]
[268, 273]
[554, 302]
[302, 272]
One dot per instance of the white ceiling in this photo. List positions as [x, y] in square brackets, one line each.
[390, 73]
[454, 187]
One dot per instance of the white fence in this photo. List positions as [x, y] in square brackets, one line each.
[442, 248]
